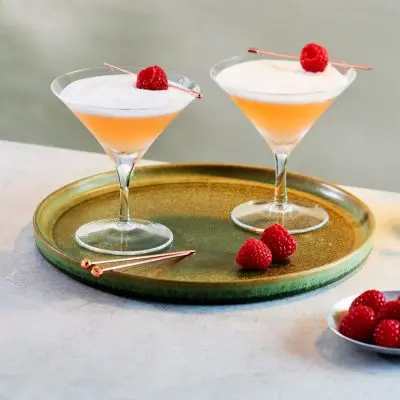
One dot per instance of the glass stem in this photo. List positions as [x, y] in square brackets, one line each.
[125, 167]
[280, 197]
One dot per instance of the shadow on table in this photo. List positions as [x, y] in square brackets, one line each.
[302, 343]
[345, 355]
[28, 282]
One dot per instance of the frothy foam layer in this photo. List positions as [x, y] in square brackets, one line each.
[281, 81]
[117, 95]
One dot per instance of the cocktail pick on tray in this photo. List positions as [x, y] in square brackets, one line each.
[256, 50]
[140, 260]
[198, 95]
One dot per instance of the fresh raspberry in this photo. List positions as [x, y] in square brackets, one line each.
[254, 254]
[281, 243]
[371, 298]
[152, 78]
[314, 58]
[358, 323]
[387, 333]
[390, 310]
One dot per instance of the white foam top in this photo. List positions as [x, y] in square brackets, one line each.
[281, 81]
[117, 95]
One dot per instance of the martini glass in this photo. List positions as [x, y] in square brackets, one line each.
[282, 120]
[125, 134]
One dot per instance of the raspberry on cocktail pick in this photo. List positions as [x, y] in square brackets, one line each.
[154, 78]
[256, 50]
[314, 58]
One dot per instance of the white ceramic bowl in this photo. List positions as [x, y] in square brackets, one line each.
[342, 307]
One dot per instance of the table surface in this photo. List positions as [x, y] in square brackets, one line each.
[60, 339]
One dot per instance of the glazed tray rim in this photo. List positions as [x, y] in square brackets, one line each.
[179, 166]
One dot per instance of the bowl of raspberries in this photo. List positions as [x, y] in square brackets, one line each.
[370, 320]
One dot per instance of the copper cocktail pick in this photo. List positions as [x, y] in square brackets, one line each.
[283, 55]
[86, 263]
[198, 95]
[140, 260]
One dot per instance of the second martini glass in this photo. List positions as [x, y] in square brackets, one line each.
[125, 121]
[282, 119]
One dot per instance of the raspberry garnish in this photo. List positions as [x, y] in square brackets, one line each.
[314, 58]
[281, 243]
[390, 310]
[358, 323]
[387, 333]
[152, 78]
[371, 298]
[254, 255]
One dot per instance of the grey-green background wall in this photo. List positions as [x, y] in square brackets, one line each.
[356, 142]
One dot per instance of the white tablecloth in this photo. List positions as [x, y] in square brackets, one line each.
[62, 340]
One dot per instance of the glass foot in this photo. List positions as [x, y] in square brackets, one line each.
[107, 236]
[255, 216]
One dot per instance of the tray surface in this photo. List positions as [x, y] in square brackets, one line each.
[195, 202]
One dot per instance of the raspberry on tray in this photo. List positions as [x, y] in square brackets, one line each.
[281, 243]
[254, 255]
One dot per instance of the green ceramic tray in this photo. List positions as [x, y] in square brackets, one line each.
[195, 202]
